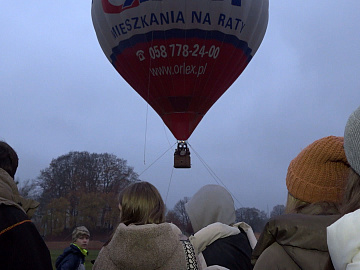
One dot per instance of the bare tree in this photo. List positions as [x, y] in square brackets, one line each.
[179, 216]
[252, 216]
[29, 189]
[277, 210]
[89, 183]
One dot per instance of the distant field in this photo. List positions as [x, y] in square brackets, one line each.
[56, 248]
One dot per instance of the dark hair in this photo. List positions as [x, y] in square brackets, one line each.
[141, 203]
[8, 159]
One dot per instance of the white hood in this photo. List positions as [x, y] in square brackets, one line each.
[343, 241]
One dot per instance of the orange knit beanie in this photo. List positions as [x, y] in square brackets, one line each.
[319, 172]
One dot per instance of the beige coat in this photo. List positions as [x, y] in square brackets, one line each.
[143, 247]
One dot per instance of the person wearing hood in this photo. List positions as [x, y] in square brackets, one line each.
[73, 257]
[343, 237]
[21, 247]
[217, 239]
[315, 180]
[143, 240]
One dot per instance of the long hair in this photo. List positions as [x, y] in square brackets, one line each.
[296, 206]
[351, 200]
[8, 159]
[140, 204]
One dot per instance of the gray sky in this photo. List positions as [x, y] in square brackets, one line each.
[59, 94]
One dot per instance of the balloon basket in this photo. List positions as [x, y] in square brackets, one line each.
[182, 156]
[182, 161]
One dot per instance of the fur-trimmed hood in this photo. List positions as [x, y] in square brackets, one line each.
[151, 246]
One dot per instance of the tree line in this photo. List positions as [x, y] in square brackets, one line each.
[81, 188]
[250, 215]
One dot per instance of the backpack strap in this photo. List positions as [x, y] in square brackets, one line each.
[191, 262]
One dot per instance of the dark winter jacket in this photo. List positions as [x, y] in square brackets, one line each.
[293, 242]
[232, 252]
[70, 259]
[21, 246]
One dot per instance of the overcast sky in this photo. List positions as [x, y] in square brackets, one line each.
[59, 94]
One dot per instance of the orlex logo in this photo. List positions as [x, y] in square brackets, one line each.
[118, 6]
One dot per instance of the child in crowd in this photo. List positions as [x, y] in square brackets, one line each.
[73, 257]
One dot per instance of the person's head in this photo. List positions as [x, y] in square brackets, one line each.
[140, 203]
[352, 150]
[317, 175]
[81, 236]
[8, 159]
[212, 203]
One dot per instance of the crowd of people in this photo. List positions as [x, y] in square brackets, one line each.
[317, 231]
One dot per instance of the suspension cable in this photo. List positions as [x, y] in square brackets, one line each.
[167, 193]
[213, 174]
[157, 159]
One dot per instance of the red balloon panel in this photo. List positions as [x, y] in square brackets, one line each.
[181, 73]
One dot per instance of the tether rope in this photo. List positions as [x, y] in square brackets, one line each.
[213, 174]
[156, 159]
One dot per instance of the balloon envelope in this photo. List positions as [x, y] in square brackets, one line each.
[180, 55]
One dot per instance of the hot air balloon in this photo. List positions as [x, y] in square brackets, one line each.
[180, 56]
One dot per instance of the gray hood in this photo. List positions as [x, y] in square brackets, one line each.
[212, 203]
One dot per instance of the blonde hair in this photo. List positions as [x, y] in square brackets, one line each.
[141, 203]
[296, 206]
